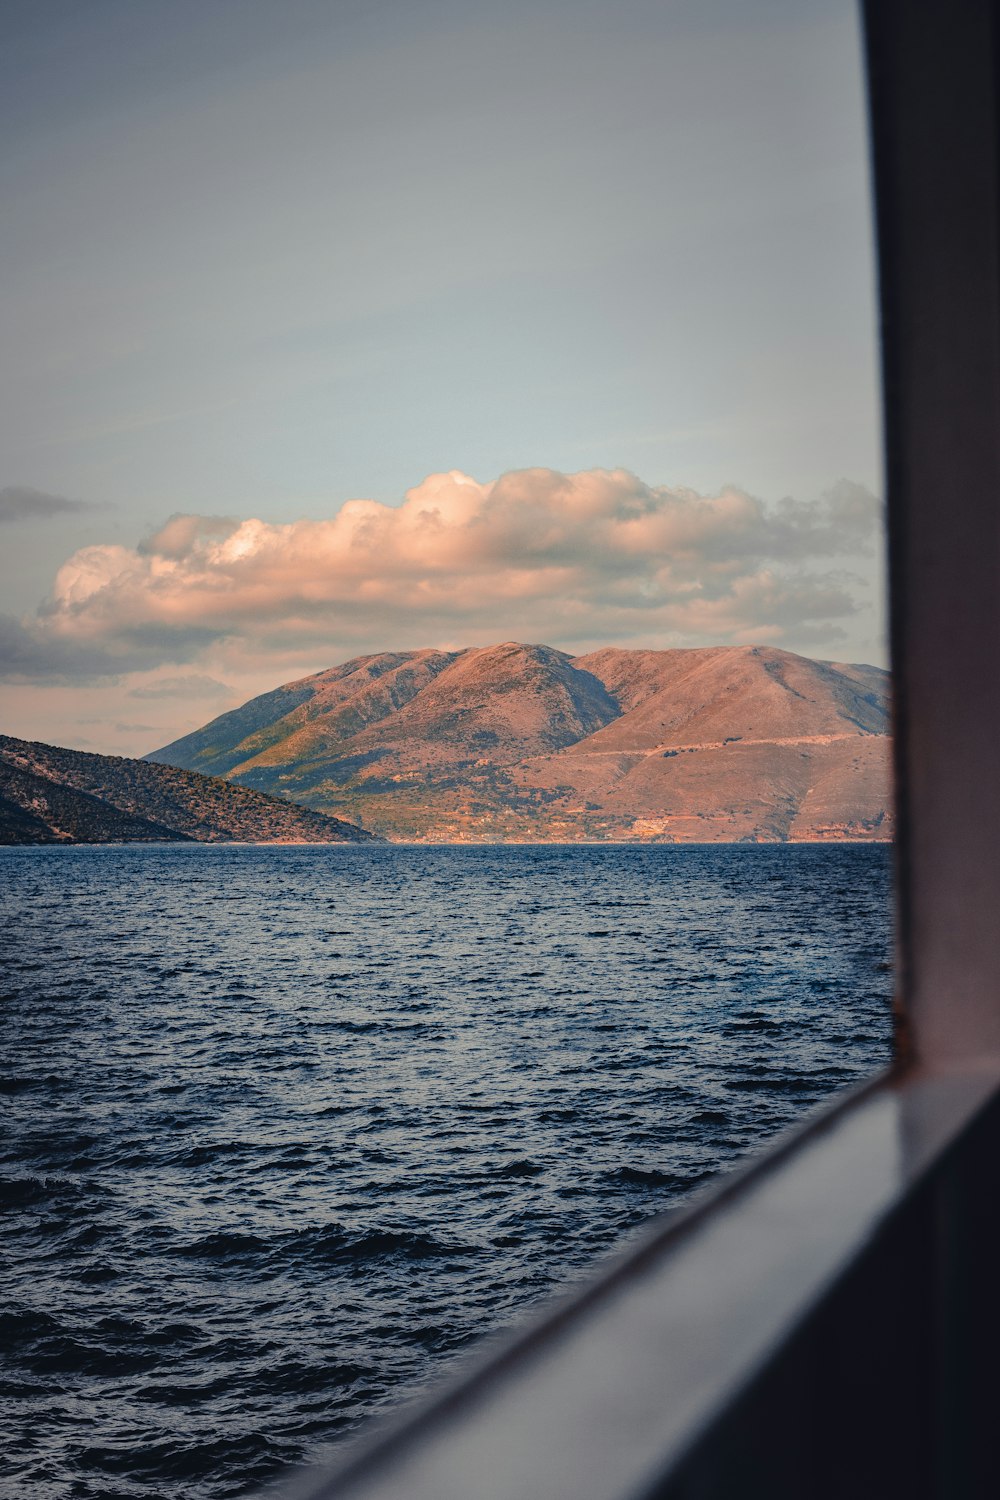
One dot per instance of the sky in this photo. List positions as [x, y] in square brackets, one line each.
[335, 327]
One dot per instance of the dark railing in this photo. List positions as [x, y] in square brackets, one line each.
[827, 1322]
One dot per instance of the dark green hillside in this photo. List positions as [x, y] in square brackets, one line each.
[52, 795]
[55, 813]
[341, 702]
[211, 750]
[18, 826]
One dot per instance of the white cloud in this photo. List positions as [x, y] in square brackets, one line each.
[597, 556]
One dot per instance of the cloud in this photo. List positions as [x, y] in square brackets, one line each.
[180, 535]
[46, 649]
[594, 556]
[191, 685]
[20, 503]
[30, 653]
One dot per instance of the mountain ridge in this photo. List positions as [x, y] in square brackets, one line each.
[53, 795]
[522, 742]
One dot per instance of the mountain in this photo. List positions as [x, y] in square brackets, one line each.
[515, 742]
[53, 796]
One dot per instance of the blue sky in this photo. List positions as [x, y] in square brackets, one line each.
[264, 258]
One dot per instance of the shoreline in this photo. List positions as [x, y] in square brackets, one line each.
[387, 843]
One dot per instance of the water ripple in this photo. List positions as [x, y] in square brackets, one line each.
[286, 1128]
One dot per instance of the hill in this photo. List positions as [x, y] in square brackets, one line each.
[49, 795]
[516, 742]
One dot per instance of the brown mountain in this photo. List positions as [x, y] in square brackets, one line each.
[49, 795]
[515, 742]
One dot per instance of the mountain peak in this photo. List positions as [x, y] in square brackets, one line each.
[517, 740]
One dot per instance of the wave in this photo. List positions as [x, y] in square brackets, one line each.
[251, 1456]
[325, 1243]
[654, 1177]
[28, 1192]
[28, 1083]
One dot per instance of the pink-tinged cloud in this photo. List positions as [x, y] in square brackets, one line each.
[594, 556]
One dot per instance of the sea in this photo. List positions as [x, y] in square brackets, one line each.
[287, 1129]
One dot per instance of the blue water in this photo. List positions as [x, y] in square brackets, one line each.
[284, 1128]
